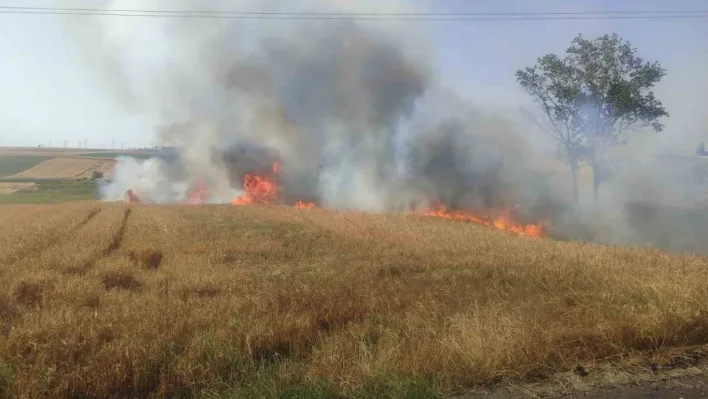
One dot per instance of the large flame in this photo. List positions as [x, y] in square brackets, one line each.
[263, 190]
[259, 189]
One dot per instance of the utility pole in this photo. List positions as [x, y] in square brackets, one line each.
[85, 143]
[50, 143]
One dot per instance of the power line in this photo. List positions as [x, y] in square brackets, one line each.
[399, 14]
[323, 18]
[359, 16]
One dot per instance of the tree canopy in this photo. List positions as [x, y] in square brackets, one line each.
[594, 96]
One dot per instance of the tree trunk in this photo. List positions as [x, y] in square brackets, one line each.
[574, 176]
[596, 175]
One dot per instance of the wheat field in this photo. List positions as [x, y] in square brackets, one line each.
[115, 300]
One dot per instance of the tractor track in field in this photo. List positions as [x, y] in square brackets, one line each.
[42, 245]
[113, 246]
[118, 237]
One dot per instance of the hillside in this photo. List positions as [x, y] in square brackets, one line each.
[109, 300]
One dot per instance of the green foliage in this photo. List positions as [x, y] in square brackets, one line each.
[614, 87]
[97, 174]
[594, 96]
[597, 92]
[52, 192]
[13, 164]
[7, 379]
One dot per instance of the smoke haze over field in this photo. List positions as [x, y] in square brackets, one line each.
[376, 116]
[351, 110]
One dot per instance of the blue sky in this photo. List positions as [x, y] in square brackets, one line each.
[48, 91]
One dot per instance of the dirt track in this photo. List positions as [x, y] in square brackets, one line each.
[689, 383]
[692, 387]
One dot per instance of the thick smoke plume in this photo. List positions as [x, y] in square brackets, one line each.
[353, 113]
[350, 110]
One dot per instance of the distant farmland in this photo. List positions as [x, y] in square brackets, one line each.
[42, 191]
[56, 163]
[28, 179]
[67, 168]
[13, 164]
[114, 155]
[110, 300]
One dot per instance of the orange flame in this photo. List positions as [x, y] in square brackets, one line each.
[263, 190]
[304, 205]
[258, 189]
[197, 194]
[503, 222]
[130, 197]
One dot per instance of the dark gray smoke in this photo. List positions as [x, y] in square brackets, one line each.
[351, 111]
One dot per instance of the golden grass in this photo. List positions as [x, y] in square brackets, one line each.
[106, 300]
[67, 168]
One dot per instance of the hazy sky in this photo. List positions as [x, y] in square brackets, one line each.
[48, 91]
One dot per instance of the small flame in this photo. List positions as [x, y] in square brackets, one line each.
[197, 194]
[263, 190]
[304, 205]
[130, 197]
[503, 222]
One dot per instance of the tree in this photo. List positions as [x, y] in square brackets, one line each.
[594, 97]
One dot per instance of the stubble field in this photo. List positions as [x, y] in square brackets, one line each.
[111, 300]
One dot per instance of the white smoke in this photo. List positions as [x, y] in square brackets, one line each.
[350, 107]
[354, 112]
[145, 177]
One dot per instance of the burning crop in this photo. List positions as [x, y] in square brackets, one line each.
[198, 193]
[353, 114]
[304, 204]
[264, 190]
[130, 197]
[504, 220]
